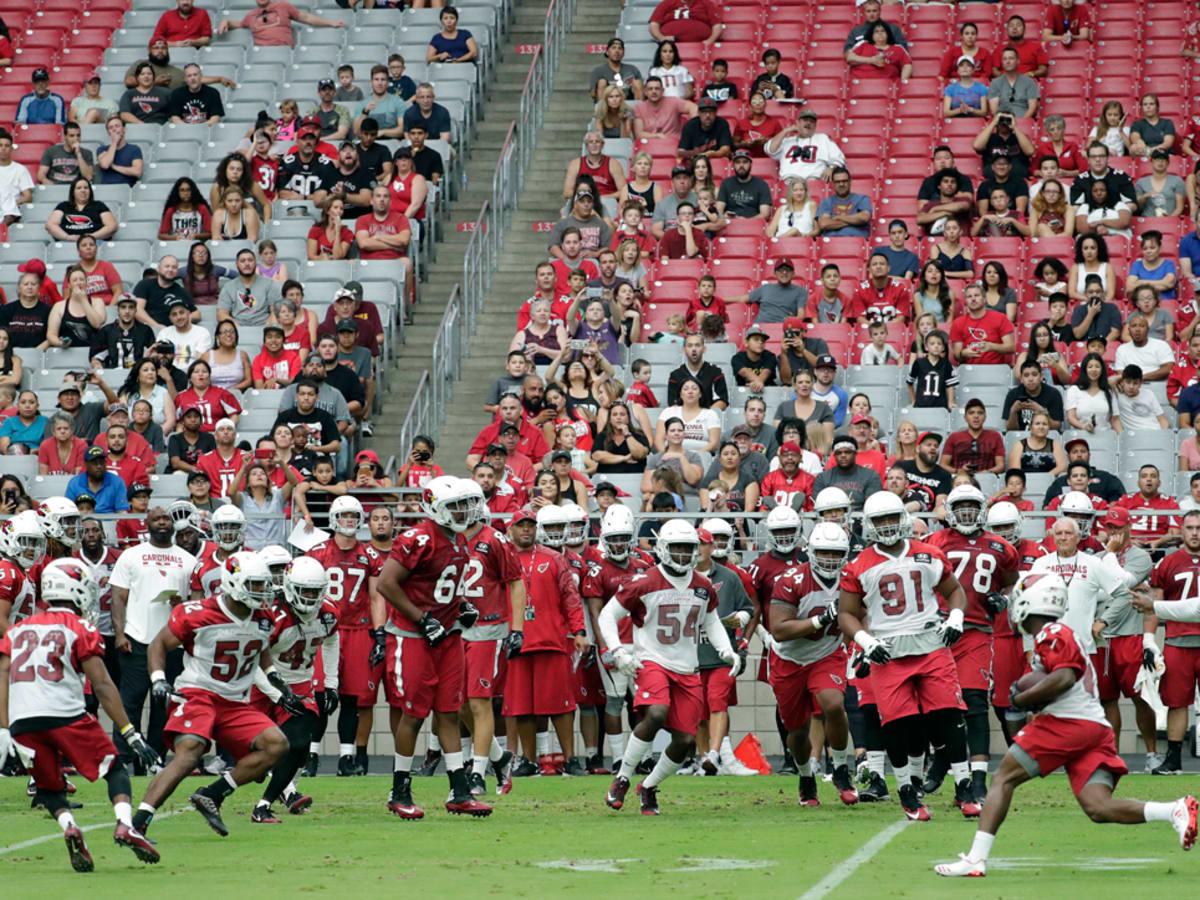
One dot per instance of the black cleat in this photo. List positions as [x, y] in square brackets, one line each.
[348, 766]
[789, 765]
[525, 768]
[595, 765]
[808, 791]
[912, 805]
[918, 785]
[964, 799]
[876, 790]
[364, 761]
[979, 786]
[430, 763]
[264, 815]
[211, 810]
[646, 766]
[476, 785]
[310, 766]
[573, 766]
[1171, 765]
[649, 798]
[936, 773]
[503, 767]
[297, 802]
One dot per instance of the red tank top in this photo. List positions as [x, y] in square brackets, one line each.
[601, 175]
[402, 194]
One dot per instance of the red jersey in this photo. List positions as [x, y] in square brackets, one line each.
[1070, 158]
[870, 459]
[206, 576]
[559, 304]
[130, 532]
[416, 476]
[48, 651]
[518, 474]
[502, 501]
[532, 443]
[604, 577]
[763, 572]
[128, 469]
[221, 651]
[639, 392]
[216, 404]
[562, 270]
[690, 21]
[1184, 374]
[395, 222]
[265, 173]
[220, 471]
[285, 366]
[350, 573]
[783, 488]
[435, 564]
[492, 566]
[1063, 21]
[298, 338]
[1056, 647]
[14, 590]
[976, 560]
[716, 307]
[992, 327]
[1150, 527]
[646, 242]
[1177, 575]
[1028, 551]
[1030, 55]
[868, 302]
[553, 610]
[975, 454]
[762, 132]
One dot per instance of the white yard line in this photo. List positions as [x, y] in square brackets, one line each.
[57, 836]
[850, 865]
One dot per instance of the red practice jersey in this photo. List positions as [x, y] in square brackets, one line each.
[221, 651]
[763, 571]
[492, 566]
[874, 305]
[976, 562]
[667, 619]
[783, 489]
[553, 609]
[17, 591]
[216, 404]
[603, 579]
[220, 471]
[295, 642]
[1056, 647]
[435, 564]
[1178, 577]
[47, 652]
[130, 532]
[350, 573]
[1147, 526]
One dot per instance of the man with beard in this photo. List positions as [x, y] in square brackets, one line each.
[329, 395]
[249, 298]
[332, 376]
[302, 172]
[859, 482]
[348, 177]
[101, 558]
[500, 497]
[532, 400]
[926, 473]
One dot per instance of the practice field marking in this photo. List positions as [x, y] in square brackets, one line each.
[33, 842]
[587, 865]
[847, 868]
[1087, 863]
[689, 864]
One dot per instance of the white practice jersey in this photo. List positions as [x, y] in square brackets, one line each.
[221, 650]
[798, 587]
[295, 642]
[898, 592]
[46, 653]
[667, 619]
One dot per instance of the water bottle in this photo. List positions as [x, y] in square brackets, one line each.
[464, 178]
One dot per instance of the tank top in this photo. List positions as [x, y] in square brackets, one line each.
[1081, 277]
[226, 375]
[204, 291]
[547, 340]
[600, 174]
[646, 197]
[402, 194]
[956, 263]
[1037, 460]
[233, 236]
[75, 331]
[269, 271]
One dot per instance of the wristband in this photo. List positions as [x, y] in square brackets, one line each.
[743, 618]
[157, 675]
[816, 621]
[865, 640]
[269, 671]
[1148, 642]
[955, 619]
[128, 730]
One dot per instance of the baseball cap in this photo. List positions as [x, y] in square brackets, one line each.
[366, 456]
[741, 430]
[926, 435]
[138, 487]
[166, 348]
[174, 301]
[524, 514]
[40, 75]
[507, 427]
[755, 328]
[793, 323]
[273, 326]
[844, 441]
[126, 298]
[496, 448]
[680, 170]
[790, 447]
[975, 402]
[85, 498]
[33, 267]
[741, 153]
[860, 420]
[584, 191]
[969, 59]
[225, 422]
[309, 126]
[347, 324]
[1116, 517]
[556, 455]
[355, 288]
[705, 535]
[343, 293]
[92, 453]
[69, 384]
[1159, 153]
[602, 486]
[807, 114]
[784, 262]
[1077, 440]
[324, 83]
[190, 408]
[198, 476]
[706, 103]
[118, 408]
[95, 76]
[403, 153]
[614, 40]
[825, 362]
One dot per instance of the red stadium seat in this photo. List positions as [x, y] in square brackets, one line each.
[736, 267]
[744, 228]
[737, 247]
[776, 33]
[741, 14]
[655, 315]
[104, 19]
[680, 269]
[733, 35]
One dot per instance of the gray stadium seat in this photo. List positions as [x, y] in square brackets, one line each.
[168, 486]
[984, 375]
[42, 486]
[925, 419]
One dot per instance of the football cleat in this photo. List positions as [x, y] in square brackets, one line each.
[646, 766]
[649, 798]
[595, 765]
[467, 805]
[70, 789]
[963, 868]
[348, 766]
[503, 767]
[476, 784]
[1153, 761]
[364, 762]
[964, 799]
[525, 768]
[876, 790]
[936, 773]
[1170, 766]
[615, 798]
[400, 802]
[808, 791]
[81, 860]
[979, 786]
[31, 788]
[297, 802]
[264, 815]
[310, 766]
[711, 763]
[736, 767]
[913, 807]
[788, 766]
[211, 810]
[127, 836]
[843, 785]
[573, 766]
[430, 763]
[918, 786]
[1183, 820]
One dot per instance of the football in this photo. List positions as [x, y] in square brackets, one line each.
[1030, 680]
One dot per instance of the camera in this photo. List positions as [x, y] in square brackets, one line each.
[579, 345]
[791, 334]
[1006, 119]
[422, 455]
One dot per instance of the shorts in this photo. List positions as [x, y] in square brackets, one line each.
[275, 712]
[973, 660]
[420, 678]
[539, 683]
[1117, 666]
[616, 685]
[83, 743]
[796, 686]
[589, 689]
[355, 677]
[911, 685]
[719, 690]
[481, 665]
[1178, 685]
[1080, 746]
[231, 723]
[683, 695]
[1008, 665]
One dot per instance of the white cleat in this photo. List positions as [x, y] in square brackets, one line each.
[1153, 761]
[735, 767]
[1183, 820]
[963, 868]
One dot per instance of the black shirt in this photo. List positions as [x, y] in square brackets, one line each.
[334, 179]
[743, 198]
[797, 361]
[773, 88]
[371, 159]
[320, 424]
[1119, 185]
[196, 107]
[302, 177]
[26, 327]
[1063, 334]
[694, 137]
[178, 445]
[766, 368]
[930, 382]
[118, 348]
[150, 107]
[710, 378]
[1049, 397]
[77, 221]
[1107, 485]
[726, 90]
[428, 162]
[157, 297]
[343, 380]
[929, 187]
[1013, 186]
[937, 480]
[1009, 147]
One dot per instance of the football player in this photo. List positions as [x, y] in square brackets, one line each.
[589, 688]
[22, 546]
[190, 528]
[44, 660]
[229, 531]
[669, 605]
[1069, 731]
[101, 559]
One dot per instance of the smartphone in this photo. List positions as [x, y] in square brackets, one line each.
[579, 345]
[263, 453]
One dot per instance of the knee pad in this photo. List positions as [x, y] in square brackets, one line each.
[118, 781]
[613, 706]
[977, 702]
[52, 801]
[589, 711]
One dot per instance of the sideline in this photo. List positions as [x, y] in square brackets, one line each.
[847, 868]
[33, 842]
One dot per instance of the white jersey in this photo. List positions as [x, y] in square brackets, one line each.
[667, 619]
[807, 157]
[295, 643]
[1092, 582]
[798, 587]
[1056, 647]
[898, 594]
[221, 650]
[45, 676]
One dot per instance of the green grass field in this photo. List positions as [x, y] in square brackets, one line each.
[719, 837]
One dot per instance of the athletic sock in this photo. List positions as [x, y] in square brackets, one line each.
[479, 765]
[840, 757]
[495, 752]
[1158, 812]
[663, 769]
[806, 767]
[124, 812]
[222, 787]
[982, 845]
[401, 763]
[143, 817]
[434, 744]
[634, 751]
[916, 765]
[959, 771]
[465, 746]
[1175, 753]
[616, 746]
[979, 765]
[543, 743]
[590, 750]
[454, 761]
[901, 773]
[875, 760]
[315, 747]
[345, 749]
[66, 820]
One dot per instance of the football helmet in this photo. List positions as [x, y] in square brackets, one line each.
[885, 505]
[965, 507]
[342, 508]
[304, 583]
[479, 508]
[678, 546]
[70, 580]
[1078, 506]
[828, 548]
[577, 524]
[246, 579]
[783, 529]
[277, 559]
[833, 505]
[722, 533]
[1004, 521]
[185, 515]
[59, 518]
[552, 524]
[229, 527]
[22, 539]
[449, 503]
[1037, 594]
[616, 533]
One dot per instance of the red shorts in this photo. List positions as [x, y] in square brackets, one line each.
[911, 685]
[1178, 685]
[539, 683]
[589, 689]
[83, 743]
[719, 690]
[420, 678]
[1080, 746]
[355, 677]
[1117, 666]
[1008, 665]
[682, 694]
[796, 686]
[481, 668]
[866, 691]
[276, 713]
[973, 660]
[232, 724]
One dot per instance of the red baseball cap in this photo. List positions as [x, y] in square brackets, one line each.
[1115, 517]
[790, 447]
[793, 323]
[705, 535]
[524, 514]
[860, 420]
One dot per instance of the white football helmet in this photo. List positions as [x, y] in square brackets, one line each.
[783, 529]
[246, 579]
[833, 505]
[59, 518]
[722, 533]
[304, 583]
[229, 527]
[1078, 506]
[70, 580]
[1037, 594]
[185, 515]
[885, 505]
[616, 533]
[552, 524]
[678, 546]
[965, 507]
[479, 507]
[1004, 521]
[22, 539]
[277, 559]
[342, 509]
[828, 548]
[577, 524]
[449, 503]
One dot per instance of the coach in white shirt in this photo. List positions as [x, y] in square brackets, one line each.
[804, 153]
[147, 581]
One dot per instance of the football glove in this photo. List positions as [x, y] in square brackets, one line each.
[951, 628]
[512, 643]
[860, 664]
[768, 639]
[995, 603]
[431, 629]
[161, 692]
[1152, 657]
[606, 658]
[468, 615]
[144, 752]
[625, 662]
[873, 648]
[379, 648]
[288, 701]
[8, 747]
[828, 616]
[329, 702]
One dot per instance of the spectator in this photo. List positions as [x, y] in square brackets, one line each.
[684, 240]
[975, 448]
[146, 101]
[248, 298]
[902, 262]
[121, 461]
[997, 295]
[158, 56]
[620, 448]
[221, 464]
[295, 335]
[1070, 161]
[1066, 22]
[870, 11]
[943, 159]
[235, 220]
[605, 173]
[301, 171]
[1104, 214]
[253, 492]
[195, 102]
[1161, 193]
[89, 107]
[530, 442]
[714, 392]
[705, 135]
[65, 162]
[27, 319]
[755, 366]
[842, 213]
[120, 162]
[270, 23]
[191, 341]
[796, 216]
[771, 83]
[1090, 404]
[1002, 139]
[809, 154]
[981, 336]
[947, 204]
[146, 382]
[200, 495]
[1138, 407]
[387, 109]
[1038, 452]
[409, 188]
[1091, 259]
[41, 106]
[383, 233]
[877, 55]
[230, 364]
[806, 408]
[186, 446]
[1154, 357]
[123, 340]
[1117, 182]
[452, 44]
[81, 213]
[660, 116]
[1146, 303]
[1152, 271]
[214, 403]
[685, 20]
[1032, 396]
[398, 83]
[1189, 247]
[968, 45]
[719, 88]
[1049, 213]
[1151, 531]
[541, 340]
[857, 481]
[615, 72]
[613, 114]
[21, 434]
[932, 297]
[186, 214]
[334, 117]
[777, 301]
[1151, 132]
[698, 429]
[966, 96]
[426, 111]
[110, 492]
[86, 416]
[1032, 57]
[329, 238]
[61, 453]
[743, 195]
[1043, 350]
[202, 280]
[753, 132]
[879, 296]
[11, 373]
[75, 319]
[185, 26]
[348, 303]
[16, 185]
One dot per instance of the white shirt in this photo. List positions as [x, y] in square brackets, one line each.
[807, 157]
[675, 80]
[189, 345]
[695, 432]
[1139, 413]
[1149, 356]
[1088, 408]
[14, 180]
[1092, 581]
[154, 576]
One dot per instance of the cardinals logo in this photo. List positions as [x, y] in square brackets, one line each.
[247, 299]
[77, 221]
